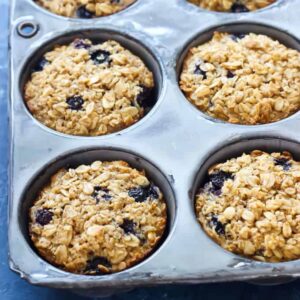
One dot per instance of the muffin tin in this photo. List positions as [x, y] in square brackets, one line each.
[175, 143]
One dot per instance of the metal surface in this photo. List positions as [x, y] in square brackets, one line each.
[175, 137]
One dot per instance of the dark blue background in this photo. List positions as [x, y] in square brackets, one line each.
[12, 287]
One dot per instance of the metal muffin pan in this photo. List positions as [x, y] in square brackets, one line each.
[175, 142]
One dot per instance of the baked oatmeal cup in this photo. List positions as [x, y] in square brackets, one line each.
[84, 9]
[250, 205]
[247, 79]
[234, 6]
[89, 89]
[97, 219]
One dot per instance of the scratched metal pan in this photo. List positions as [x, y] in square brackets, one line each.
[174, 142]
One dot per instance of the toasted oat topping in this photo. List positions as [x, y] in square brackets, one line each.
[89, 90]
[84, 8]
[250, 205]
[97, 219]
[232, 5]
[243, 79]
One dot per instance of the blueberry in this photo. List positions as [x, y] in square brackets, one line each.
[239, 8]
[115, 1]
[100, 57]
[101, 189]
[40, 65]
[230, 74]
[145, 98]
[75, 102]
[199, 71]
[83, 13]
[217, 225]
[141, 194]
[43, 216]
[81, 44]
[101, 193]
[128, 226]
[92, 265]
[284, 162]
[217, 181]
[106, 197]
[237, 36]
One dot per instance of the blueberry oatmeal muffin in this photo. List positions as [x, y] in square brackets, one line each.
[243, 78]
[84, 8]
[89, 90]
[250, 205]
[235, 6]
[97, 219]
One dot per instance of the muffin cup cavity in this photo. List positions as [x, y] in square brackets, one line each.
[97, 37]
[88, 156]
